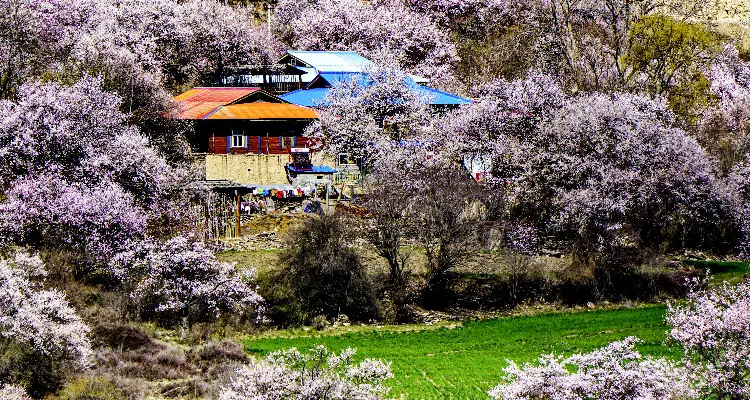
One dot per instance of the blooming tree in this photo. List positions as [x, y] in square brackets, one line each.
[76, 175]
[317, 374]
[594, 165]
[617, 371]
[724, 129]
[13, 392]
[178, 42]
[365, 114]
[739, 188]
[182, 279]
[77, 132]
[51, 213]
[34, 35]
[40, 321]
[382, 31]
[714, 329]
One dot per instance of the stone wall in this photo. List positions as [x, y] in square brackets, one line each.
[263, 169]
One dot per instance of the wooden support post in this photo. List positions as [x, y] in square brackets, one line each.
[237, 214]
[328, 204]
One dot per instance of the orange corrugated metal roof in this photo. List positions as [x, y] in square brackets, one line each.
[216, 94]
[198, 102]
[262, 110]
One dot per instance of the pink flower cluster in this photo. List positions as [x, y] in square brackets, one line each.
[617, 371]
[317, 374]
[38, 318]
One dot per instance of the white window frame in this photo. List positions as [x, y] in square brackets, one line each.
[238, 141]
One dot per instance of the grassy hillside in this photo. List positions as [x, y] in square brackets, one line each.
[465, 361]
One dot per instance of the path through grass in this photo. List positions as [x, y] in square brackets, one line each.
[465, 362]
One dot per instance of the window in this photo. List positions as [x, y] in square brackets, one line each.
[343, 158]
[239, 140]
[287, 142]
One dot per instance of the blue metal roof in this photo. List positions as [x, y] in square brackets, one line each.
[335, 77]
[439, 97]
[315, 97]
[332, 61]
[316, 169]
[339, 66]
[306, 97]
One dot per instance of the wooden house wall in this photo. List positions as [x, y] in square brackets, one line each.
[256, 145]
[263, 137]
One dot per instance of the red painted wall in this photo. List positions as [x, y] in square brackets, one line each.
[268, 145]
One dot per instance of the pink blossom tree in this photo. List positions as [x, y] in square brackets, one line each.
[383, 31]
[35, 35]
[724, 129]
[52, 338]
[366, 114]
[77, 176]
[49, 213]
[317, 374]
[739, 189]
[617, 371]
[594, 164]
[714, 329]
[180, 280]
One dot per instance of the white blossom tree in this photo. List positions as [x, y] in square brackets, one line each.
[617, 371]
[316, 374]
[180, 280]
[41, 322]
[714, 329]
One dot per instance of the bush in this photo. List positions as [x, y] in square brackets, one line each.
[94, 388]
[325, 273]
[218, 352]
[317, 374]
[180, 280]
[121, 337]
[617, 371]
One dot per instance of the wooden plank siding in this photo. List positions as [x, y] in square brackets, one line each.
[257, 144]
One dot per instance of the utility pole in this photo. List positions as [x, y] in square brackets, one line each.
[268, 17]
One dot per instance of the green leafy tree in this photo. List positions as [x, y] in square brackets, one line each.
[667, 57]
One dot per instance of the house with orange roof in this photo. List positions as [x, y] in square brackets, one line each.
[244, 134]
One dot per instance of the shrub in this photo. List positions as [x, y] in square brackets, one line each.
[93, 388]
[181, 280]
[325, 272]
[121, 337]
[317, 374]
[219, 352]
[617, 371]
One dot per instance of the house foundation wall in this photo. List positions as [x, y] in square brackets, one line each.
[262, 169]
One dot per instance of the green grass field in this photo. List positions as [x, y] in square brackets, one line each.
[731, 271]
[466, 361]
